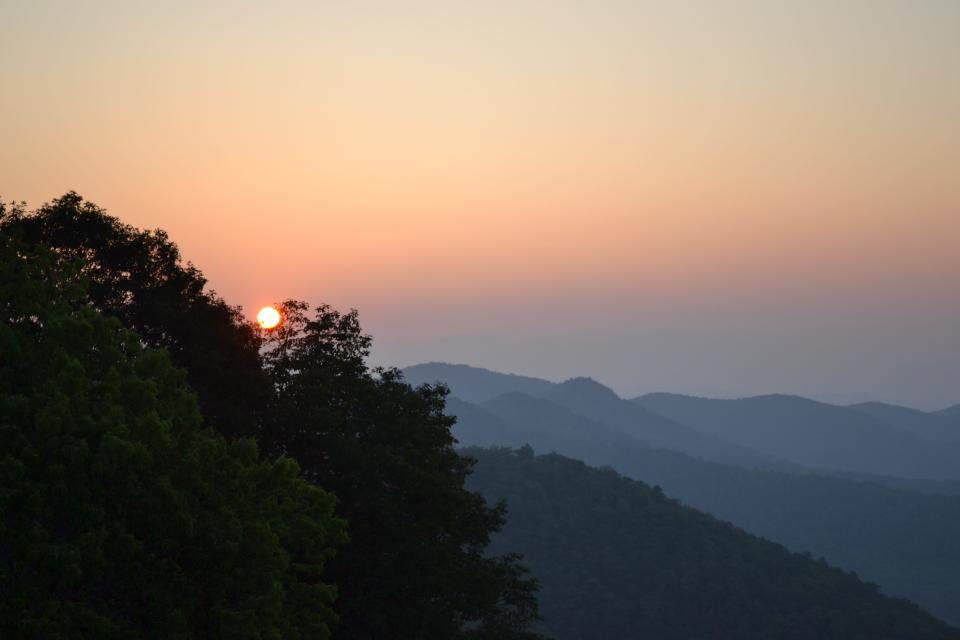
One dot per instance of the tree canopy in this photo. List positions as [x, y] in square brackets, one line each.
[121, 517]
[139, 277]
[416, 565]
[385, 449]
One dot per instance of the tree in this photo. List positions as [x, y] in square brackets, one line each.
[139, 277]
[416, 564]
[416, 567]
[121, 518]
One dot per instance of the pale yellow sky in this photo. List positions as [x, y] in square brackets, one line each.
[510, 168]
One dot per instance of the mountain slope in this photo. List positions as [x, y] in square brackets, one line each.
[591, 399]
[908, 542]
[473, 383]
[811, 433]
[545, 421]
[951, 412]
[476, 427]
[928, 426]
[617, 559]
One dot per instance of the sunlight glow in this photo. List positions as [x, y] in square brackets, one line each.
[268, 318]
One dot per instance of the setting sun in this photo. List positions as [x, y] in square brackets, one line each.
[268, 318]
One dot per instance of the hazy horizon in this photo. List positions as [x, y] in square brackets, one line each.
[720, 199]
[627, 390]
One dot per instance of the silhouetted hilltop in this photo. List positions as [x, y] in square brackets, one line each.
[473, 383]
[618, 559]
[589, 398]
[935, 427]
[811, 433]
[582, 390]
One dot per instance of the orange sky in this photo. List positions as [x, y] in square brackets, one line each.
[480, 173]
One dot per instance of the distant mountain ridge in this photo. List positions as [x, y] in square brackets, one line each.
[591, 399]
[812, 433]
[473, 384]
[872, 440]
[952, 412]
[909, 542]
[935, 427]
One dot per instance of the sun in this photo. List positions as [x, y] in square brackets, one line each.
[268, 318]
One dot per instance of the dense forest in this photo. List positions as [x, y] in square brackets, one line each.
[314, 496]
[618, 559]
[170, 470]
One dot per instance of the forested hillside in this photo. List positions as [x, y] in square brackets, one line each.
[618, 559]
[907, 541]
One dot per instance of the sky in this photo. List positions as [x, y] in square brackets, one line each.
[718, 198]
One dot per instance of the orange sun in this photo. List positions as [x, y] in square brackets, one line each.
[268, 317]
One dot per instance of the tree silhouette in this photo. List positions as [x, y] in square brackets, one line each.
[415, 566]
[139, 277]
[121, 518]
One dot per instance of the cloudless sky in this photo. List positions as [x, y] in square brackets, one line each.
[721, 198]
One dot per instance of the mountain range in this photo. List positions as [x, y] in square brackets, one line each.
[906, 540]
[777, 432]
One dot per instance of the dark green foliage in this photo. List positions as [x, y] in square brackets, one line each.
[416, 567]
[121, 518]
[618, 559]
[138, 276]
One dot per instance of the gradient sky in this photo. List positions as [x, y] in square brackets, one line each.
[721, 198]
